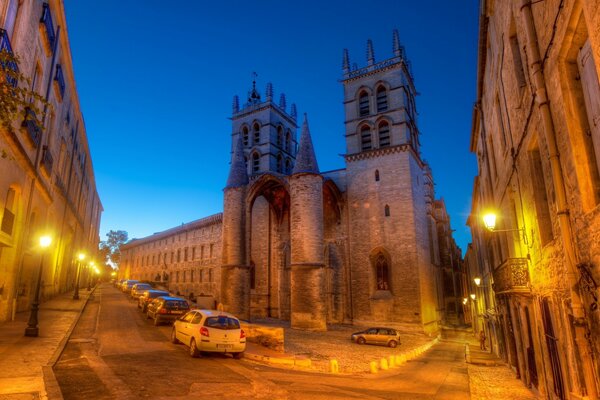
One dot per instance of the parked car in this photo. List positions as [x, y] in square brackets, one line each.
[382, 336]
[210, 331]
[149, 295]
[166, 309]
[139, 288]
[119, 282]
[128, 284]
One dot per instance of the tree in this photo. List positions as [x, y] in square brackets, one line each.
[110, 248]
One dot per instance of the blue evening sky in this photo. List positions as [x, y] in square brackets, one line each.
[156, 81]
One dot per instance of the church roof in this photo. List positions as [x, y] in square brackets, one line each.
[238, 176]
[306, 161]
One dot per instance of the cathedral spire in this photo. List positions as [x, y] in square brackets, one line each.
[306, 161]
[397, 48]
[235, 107]
[253, 95]
[282, 101]
[345, 62]
[370, 53]
[293, 112]
[269, 91]
[238, 176]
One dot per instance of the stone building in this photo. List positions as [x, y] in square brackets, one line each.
[349, 245]
[46, 177]
[536, 134]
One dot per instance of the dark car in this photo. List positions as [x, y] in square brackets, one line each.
[148, 296]
[128, 284]
[382, 336]
[167, 309]
[139, 288]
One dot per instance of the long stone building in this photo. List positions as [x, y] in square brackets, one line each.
[293, 242]
[536, 134]
[46, 176]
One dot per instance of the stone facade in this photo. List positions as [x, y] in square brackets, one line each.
[536, 134]
[358, 244]
[47, 181]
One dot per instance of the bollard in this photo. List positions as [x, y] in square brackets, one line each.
[398, 360]
[383, 364]
[334, 367]
[467, 353]
[391, 361]
[373, 366]
[402, 358]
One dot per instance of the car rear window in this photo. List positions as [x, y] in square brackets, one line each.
[222, 322]
[144, 286]
[176, 304]
[156, 294]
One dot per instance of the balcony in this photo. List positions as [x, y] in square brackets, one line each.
[8, 63]
[32, 127]
[512, 277]
[59, 81]
[48, 27]
[47, 160]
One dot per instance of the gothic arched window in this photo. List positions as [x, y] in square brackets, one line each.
[382, 103]
[288, 142]
[256, 130]
[384, 134]
[288, 166]
[387, 210]
[245, 135]
[363, 104]
[279, 136]
[376, 175]
[279, 163]
[365, 138]
[382, 272]
[252, 275]
[255, 162]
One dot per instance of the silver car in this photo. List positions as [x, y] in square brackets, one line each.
[210, 331]
[382, 336]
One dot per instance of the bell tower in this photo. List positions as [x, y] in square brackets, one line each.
[267, 130]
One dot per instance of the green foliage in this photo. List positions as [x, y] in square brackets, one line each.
[110, 248]
[17, 101]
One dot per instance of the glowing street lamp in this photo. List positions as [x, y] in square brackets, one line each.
[473, 296]
[477, 281]
[80, 258]
[32, 326]
[489, 221]
[465, 301]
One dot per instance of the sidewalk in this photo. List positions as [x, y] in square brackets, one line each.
[26, 362]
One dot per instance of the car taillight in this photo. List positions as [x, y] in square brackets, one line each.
[242, 334]
[163, 311]
[204, 332]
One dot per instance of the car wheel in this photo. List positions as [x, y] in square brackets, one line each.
[194, 352]
[361, 340]
[392, 344]
[174, 339]
[239, 355]
[156, 321]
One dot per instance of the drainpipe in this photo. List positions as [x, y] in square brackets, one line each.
[580, 321]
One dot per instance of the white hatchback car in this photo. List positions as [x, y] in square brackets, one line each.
[210, 331]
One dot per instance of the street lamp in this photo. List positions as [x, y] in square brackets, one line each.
[80, 258]
[32, 326]
[477, 281]
[473, 296]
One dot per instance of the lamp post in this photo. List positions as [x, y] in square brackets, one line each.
[89, 270]
[32, 326]
[80, 258]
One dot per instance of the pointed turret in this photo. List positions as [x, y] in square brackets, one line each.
[282, 101]
[370, 53]
[346, 62]
[238, 175]
[397, 49]
[293, 112]
[306, 161]
[235, 107]
[269, 91]
[253, 95]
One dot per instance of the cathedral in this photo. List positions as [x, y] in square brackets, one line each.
[353, 245]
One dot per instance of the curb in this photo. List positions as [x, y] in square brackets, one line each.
[395, 361]
[51, 386]
[287, 361]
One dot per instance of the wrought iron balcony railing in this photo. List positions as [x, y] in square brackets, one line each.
[512, 276]
[32, 127]
[10, 64]
[46, 21]
[59, 80]
[47, 160]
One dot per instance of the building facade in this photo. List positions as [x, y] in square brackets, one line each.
[46, 176]
[349, 245]
[536, 134]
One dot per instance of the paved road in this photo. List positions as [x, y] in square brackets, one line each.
[115, 353]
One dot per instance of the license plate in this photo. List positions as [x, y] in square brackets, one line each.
[176, 312]
[224, 346]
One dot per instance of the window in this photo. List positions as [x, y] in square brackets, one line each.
[211, 250]
[542, 207]
[381, 268]
[202, 252]
[591, 95]
[193, 253]
[516, 55]
[365, 138]
[255, 163]
[245, 135]
[279, 136]
[376, 175]
[288, 141]
[185, 254]
[363, 104]
[184, 276]
[252, 275]
[288, 166]
[256, 129]
[210, 275]
[201, 277]
[178, 255]
[387, 210]
[279, 163]
[384, 134]
[382, 104]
